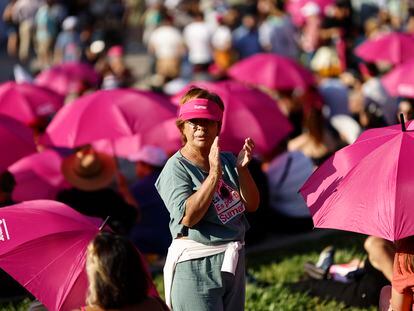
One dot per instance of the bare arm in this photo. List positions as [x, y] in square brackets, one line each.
[248, 189]
[198, 203]
[401, 302]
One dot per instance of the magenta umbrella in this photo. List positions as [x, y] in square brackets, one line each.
[248, 113]
[400, 81]
[68, 77]
[27, 102]
[294, 8]
[392, 47]
[272, 71]
[165, 135]
[38, 176]
[108, 114]
[16, 141]
[43, 247]
[366, 187]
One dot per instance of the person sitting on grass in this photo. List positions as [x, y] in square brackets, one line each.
[151, 234]
[361, 287]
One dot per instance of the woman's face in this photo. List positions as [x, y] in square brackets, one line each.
[406, 109]
[200, 133]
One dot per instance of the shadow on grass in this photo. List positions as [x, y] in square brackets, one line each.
[352, 243]
[274, 269]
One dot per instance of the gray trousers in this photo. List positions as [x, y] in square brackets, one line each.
[199, 285]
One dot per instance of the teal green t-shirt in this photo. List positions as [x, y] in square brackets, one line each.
[224, 221]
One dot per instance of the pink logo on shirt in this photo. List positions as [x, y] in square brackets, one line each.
[227, 203]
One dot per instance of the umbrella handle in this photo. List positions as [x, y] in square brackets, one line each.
[114, 155]
[104, 223]
[403, 128]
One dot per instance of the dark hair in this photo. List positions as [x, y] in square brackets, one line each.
[197, 92]
[346, 4]
[372, 69]
[7, 182]
[315, 123]
[406, 99]
[374, 114]
[116, 276]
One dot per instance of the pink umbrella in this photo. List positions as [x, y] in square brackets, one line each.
[294, 8]
[68, 77]
[108, 114]
[366, 187]
[27, 102]
[43, 247]
[248, 113]
[38, 176]
[392, 47]
[272, 71]
[16, 141]
[165, 135]
[400, 81]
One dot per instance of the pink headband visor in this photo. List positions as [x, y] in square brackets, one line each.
[200, 108]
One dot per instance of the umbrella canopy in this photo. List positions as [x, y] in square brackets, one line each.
[367, 187]
[108, 114]
[16, 141]
[272, 71]
[27, 102]
[43, 247]
[68, 77]
[248, 113]
[165, 135]
[38, 176]
[400, 81]
[54, 237]
[393, 47]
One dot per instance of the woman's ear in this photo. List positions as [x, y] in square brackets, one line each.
[219, 127]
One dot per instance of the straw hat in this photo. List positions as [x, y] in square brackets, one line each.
[88, 170]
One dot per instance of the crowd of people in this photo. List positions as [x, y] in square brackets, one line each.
[197, 207]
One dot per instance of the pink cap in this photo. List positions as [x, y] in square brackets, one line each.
[200, 108]
[115, 51]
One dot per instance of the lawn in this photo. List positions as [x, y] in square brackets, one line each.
[273, 269]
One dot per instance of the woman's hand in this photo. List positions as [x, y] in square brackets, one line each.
[245, 155]
[214, 158]
[248, 189]
[198, 203]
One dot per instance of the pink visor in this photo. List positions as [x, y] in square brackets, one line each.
[200, 108]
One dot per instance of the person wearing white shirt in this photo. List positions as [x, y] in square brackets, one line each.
[197, 37]
[167, 44]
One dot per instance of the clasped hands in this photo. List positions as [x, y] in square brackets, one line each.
[243, 158]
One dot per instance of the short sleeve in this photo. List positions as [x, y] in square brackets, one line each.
[174, 186]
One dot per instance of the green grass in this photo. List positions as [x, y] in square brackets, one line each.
[282, 266]
[277, 268]
[18, 305]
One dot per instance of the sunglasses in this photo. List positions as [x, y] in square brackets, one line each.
[196, 123]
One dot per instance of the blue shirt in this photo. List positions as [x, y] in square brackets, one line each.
[151, 234]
